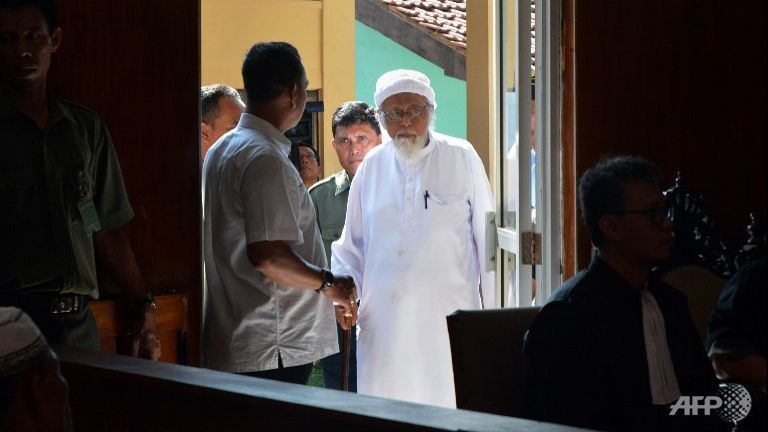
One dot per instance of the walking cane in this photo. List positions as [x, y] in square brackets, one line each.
[345, 342]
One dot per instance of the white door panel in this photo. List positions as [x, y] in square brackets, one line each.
[527, 188]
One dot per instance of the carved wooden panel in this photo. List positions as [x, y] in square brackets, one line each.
[697, 234]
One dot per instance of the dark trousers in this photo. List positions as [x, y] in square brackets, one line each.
[332, 364]
[76, 329]
[294, 374]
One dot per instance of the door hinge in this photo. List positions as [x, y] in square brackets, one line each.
[531, 248]
[491, 242]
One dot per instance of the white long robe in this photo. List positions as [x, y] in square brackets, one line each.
[415, 260]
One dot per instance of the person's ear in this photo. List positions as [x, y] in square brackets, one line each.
[609, 226]
[333, 144]
[293, 93]
[206, 131]
[56, 37]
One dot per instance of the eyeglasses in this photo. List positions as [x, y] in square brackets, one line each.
[308, 156]
[397, 116]
[656, 215]
[360, 139]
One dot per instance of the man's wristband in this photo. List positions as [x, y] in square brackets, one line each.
[148, 301]
[328, 280]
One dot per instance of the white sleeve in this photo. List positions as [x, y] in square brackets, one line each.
[482, 203]
[347, 253]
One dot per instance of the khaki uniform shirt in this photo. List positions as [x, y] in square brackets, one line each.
[47, 178]
[330, 198]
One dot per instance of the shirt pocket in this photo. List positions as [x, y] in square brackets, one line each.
[447, 212]
[17, 196]
[15, 181]
[445, 200]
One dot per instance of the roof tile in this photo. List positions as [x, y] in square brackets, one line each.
[446, 19]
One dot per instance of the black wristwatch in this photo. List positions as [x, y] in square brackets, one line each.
[328, 280]
[147, 301]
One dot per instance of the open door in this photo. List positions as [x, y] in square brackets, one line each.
[528, 158]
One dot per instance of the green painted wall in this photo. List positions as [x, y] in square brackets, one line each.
[376, 54]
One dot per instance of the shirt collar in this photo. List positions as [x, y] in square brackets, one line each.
[251, 121]
[7, 107]
[341, 179]
[612, 279]
[56, 109]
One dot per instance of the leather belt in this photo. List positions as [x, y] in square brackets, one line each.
[46, 302]
[66, 303]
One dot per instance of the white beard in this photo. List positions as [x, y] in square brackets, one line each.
[407, 147]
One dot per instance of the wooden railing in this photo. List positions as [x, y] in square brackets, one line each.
[121, 393]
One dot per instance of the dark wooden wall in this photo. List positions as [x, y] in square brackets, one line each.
[681, 83]
[137, 63]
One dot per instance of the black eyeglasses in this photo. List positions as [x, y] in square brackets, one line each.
[397, 116]
[656, 215]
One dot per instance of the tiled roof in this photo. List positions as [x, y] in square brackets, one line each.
[446, 19]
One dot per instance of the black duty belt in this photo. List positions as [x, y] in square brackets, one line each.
[51, 302]
[66, 303]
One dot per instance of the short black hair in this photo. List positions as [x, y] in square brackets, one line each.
[314, 151]
[602, 189]
[47, 7]
[354, 112]
[209, 100]
[269, 69]
[295, 157]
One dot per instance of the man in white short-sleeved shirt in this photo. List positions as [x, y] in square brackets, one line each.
[269, 309]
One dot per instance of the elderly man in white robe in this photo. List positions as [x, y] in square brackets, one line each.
[414, 242]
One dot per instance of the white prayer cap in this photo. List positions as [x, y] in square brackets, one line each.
[403, 81]
[20, 341]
